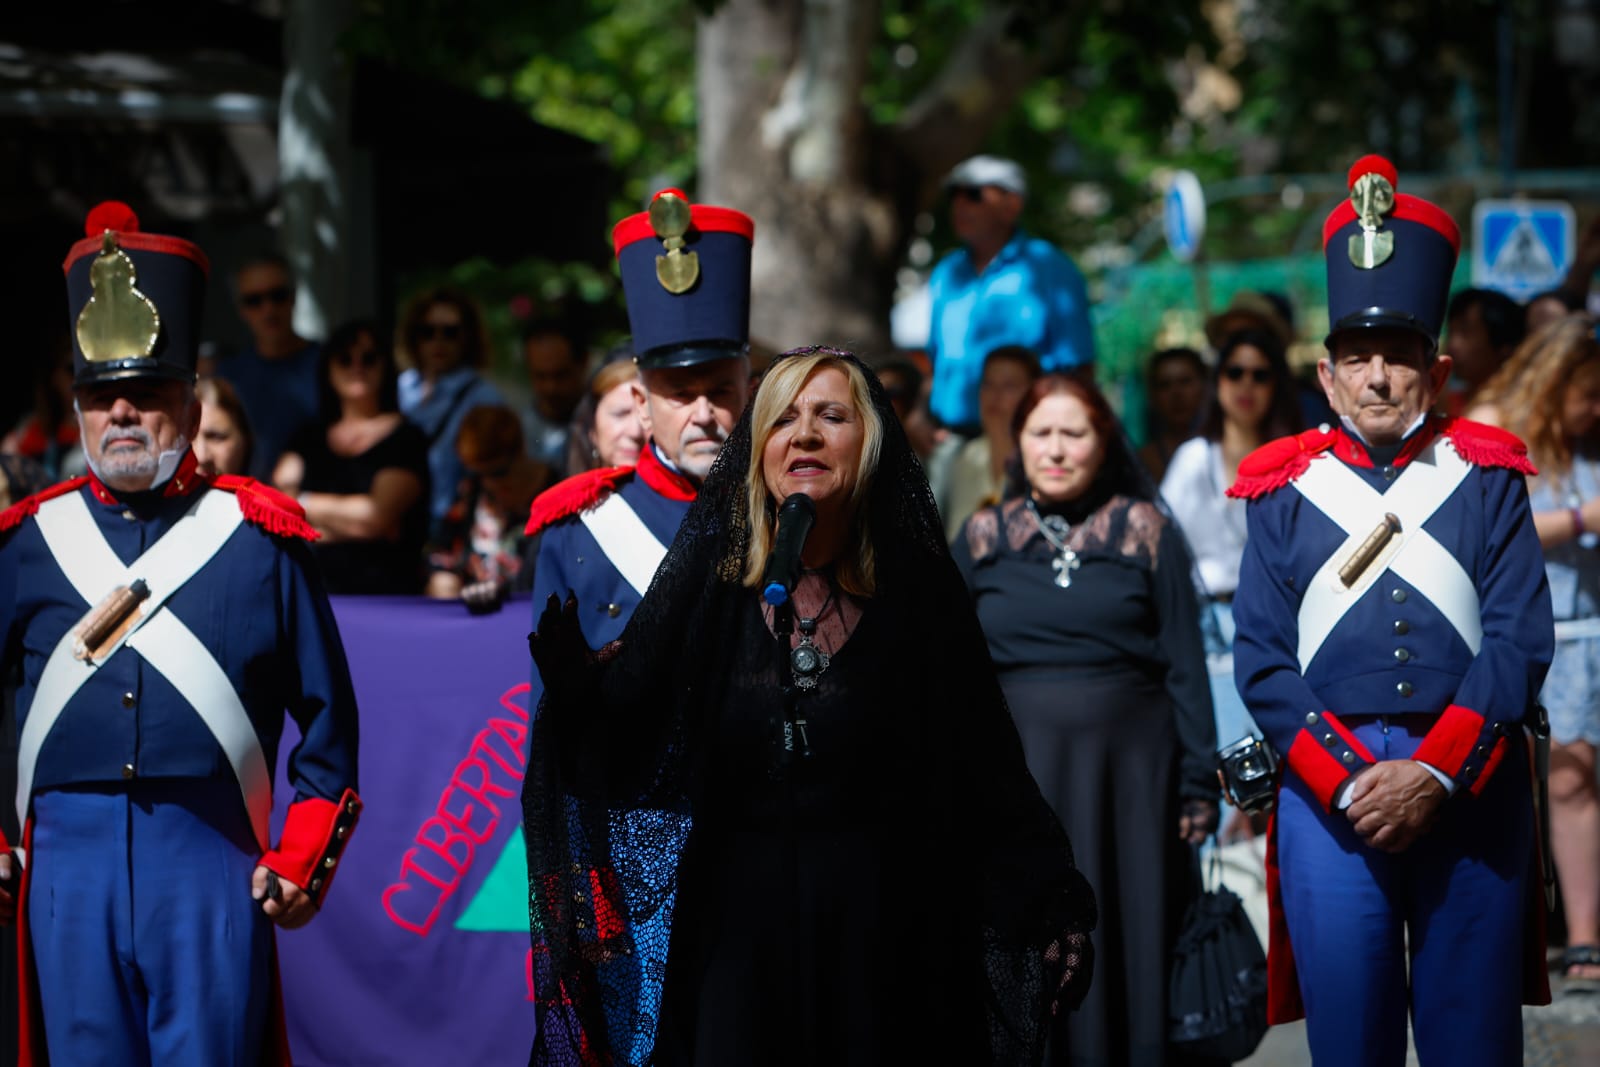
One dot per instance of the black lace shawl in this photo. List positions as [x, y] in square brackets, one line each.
[611, 786]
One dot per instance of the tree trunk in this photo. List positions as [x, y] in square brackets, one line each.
[784, 138]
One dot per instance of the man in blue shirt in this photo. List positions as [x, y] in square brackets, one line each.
[276, 374]
[1002, 287]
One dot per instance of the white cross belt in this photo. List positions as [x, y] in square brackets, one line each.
[160, 637]
[1413, 554]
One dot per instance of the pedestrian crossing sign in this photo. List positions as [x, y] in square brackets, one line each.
[1522, 247]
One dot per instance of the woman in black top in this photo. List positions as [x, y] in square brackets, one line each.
[361, 470]
[757, 843]
[1085, 593]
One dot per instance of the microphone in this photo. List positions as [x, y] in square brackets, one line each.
[783, 566]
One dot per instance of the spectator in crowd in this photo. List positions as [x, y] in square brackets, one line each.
[977, 475]
[361, 470]
[1002, 287]
[20, 477]
[1484, 328]
[1252, 402]
[607, 430]
[48, 435]
[444, 349]
[1175, 385]
[1085, 593]
[484, 553]
[908, 390]
[1548, 394]
[1544, 308]
[1272, 313]
[225, 442]
[275, 374]
[556, 354]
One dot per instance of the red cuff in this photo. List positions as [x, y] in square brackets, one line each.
[314, 835]
[1325, 755]
[1449, 743]
[1496, 754]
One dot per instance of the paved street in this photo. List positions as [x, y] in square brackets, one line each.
[1565, 1034]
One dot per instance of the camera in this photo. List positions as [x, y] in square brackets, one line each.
[1248, 771]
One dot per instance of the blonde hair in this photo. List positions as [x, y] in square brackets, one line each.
[1529, 389]
[856, 571]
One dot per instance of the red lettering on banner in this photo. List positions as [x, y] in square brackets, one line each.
[447, 840]
[461, 817]
[440, 838]
[428, 895]
[512, 739]
[527, 969]
[519, 710]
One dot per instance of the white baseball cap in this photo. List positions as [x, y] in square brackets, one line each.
[989, 170]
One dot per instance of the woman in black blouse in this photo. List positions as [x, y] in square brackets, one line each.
[1085, 593]
[361, 470]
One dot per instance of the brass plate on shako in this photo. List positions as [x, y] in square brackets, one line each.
[118, 322]
[677, 270]
[1373, 198]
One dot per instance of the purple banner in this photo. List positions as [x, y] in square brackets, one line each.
[420, 954]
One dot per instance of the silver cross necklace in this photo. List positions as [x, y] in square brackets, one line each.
[1056, 530]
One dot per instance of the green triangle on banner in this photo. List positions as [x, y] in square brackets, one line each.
[501, 903]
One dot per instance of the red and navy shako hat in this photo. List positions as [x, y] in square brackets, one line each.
[1390, 256]
[133, 299]
[686, 276]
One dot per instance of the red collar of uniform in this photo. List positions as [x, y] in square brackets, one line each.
[1350, 448]
[663, 479]
[185, 480]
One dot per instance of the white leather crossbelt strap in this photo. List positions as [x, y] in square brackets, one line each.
[1413, 554]
[626, 541]
[159, 636]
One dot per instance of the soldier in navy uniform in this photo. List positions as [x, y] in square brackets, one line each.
[165, 623]
[686, 275]
[1394, 626]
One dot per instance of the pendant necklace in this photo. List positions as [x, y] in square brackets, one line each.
[806, 660]
[1056, 530]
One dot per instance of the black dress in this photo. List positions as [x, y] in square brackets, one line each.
[378, 566]
[802, 933]
[1106, 681]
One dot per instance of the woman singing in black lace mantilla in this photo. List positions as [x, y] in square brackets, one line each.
[744, 854]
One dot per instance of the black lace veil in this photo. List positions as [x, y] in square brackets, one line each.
[613, 777]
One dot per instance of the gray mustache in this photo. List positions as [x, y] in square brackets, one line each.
[126, 433]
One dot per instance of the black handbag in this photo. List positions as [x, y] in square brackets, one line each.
[1217, 992]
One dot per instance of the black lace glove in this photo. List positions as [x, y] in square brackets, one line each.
[1075, 953]
[566, 665]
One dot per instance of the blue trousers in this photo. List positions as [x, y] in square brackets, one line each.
[1452, 906]
[148, 947]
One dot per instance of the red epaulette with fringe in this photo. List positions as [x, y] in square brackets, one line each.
[572, 495]
[1488, 446]
[1277, 463]
[12, 517]
[266, 507]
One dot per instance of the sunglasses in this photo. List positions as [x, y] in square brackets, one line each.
[972, 193]
[428, 332]
[278, 294]
[366, 359]
[1258, 375]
